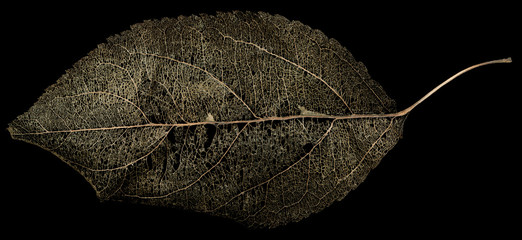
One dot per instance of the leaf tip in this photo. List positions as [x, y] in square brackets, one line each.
[12, 131]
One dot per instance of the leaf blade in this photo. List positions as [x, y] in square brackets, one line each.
[131, 117]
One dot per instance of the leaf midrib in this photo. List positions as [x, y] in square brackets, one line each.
[258, 120]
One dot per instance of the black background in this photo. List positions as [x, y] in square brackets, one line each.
[453, 173]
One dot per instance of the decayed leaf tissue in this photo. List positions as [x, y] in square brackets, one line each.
[243, 115]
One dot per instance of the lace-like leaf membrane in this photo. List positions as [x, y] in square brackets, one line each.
[243, 115]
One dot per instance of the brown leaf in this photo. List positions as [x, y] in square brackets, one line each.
[243, 115]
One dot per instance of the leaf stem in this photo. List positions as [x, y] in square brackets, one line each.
[407, 110]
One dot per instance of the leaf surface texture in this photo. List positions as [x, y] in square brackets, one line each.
[243, 115]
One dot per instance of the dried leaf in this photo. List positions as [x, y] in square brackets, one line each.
[243, 115]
